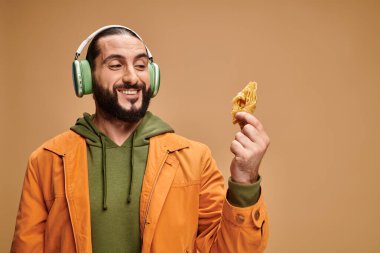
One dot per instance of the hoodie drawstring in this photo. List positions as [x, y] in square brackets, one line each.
[132, 164]
[88, 119]
[104, 170]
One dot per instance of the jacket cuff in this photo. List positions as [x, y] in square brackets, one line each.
[254, 215]
[243, 195]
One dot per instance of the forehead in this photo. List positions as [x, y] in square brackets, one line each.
[123, 44]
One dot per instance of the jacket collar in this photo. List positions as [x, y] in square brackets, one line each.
[67, 142]
[171, 142]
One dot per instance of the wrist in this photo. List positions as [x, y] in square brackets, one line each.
[245, 178]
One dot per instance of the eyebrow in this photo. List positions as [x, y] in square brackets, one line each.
[142, 55]
[118, 56]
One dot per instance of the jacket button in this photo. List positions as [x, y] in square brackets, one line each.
[240, 218]
[257, 215]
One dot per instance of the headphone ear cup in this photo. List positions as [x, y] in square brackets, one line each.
[154, 75]
[86, 76]
[77, 79]
[82, 78]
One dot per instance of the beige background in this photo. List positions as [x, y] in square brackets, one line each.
[317, 64]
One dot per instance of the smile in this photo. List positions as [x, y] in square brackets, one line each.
[128, 91]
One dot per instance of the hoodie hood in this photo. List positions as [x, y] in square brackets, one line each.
[150, 126]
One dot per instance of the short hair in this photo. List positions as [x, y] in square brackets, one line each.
[93, 49]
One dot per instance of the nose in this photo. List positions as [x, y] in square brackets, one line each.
[130, 76]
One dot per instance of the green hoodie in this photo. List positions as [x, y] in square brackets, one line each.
[115, 180]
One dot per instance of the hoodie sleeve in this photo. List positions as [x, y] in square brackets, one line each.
[243, 195]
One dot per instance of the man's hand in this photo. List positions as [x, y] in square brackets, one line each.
[249, 148]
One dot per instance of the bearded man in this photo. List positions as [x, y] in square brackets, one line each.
[121, 180]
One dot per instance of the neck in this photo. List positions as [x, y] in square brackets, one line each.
[117, 130]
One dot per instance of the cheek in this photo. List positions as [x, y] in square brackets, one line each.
[146, 79]
[107, 80]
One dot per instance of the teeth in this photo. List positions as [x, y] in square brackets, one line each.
[129, 92]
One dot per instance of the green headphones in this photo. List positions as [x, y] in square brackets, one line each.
[82, 77]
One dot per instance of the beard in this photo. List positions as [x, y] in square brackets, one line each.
[107, 101]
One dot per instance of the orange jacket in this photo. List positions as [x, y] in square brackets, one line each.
[182, 204]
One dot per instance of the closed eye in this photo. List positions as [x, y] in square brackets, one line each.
[114, 62]
[140, 67]
[115, 66]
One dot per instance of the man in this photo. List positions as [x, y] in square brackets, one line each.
[121, 180]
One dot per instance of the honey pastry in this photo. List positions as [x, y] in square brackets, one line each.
[244, 101]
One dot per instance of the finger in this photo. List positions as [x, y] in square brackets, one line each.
[243, 140]
[253, 134]
[236, 148]
[246, 118]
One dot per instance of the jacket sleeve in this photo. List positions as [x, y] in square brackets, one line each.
[223, 227]
[32, 214]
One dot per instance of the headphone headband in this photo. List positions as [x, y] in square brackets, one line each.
[89, 38]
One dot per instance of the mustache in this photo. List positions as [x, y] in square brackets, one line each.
[129, 86]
